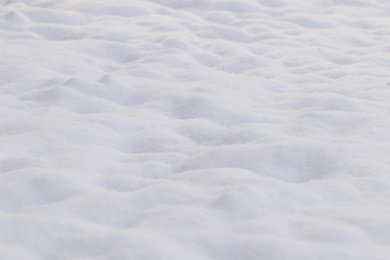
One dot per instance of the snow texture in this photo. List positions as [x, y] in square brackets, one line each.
[198, 129]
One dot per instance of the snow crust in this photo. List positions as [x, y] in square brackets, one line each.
[218, 129]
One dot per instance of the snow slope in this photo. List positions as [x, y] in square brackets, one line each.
[199, 129]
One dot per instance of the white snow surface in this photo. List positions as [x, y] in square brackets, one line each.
[195, 129]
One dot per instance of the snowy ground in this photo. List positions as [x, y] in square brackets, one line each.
[198, 129]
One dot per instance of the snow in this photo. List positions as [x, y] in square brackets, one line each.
[218, 129]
